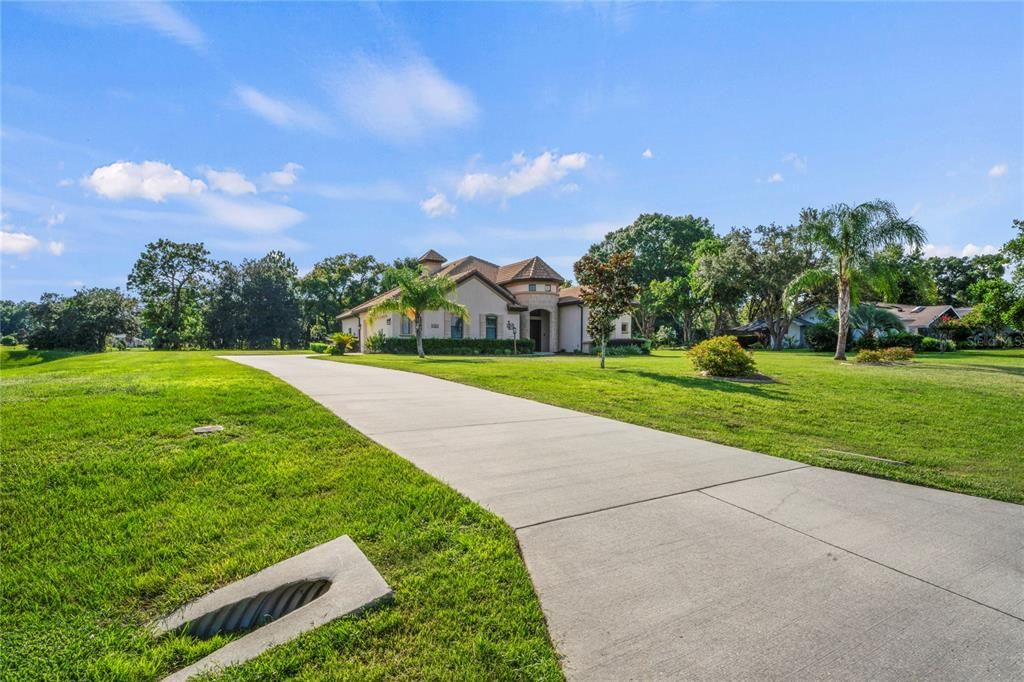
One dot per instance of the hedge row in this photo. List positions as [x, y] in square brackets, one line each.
[407, 345]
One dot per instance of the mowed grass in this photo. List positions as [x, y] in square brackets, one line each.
[956, 420]
[113, 514]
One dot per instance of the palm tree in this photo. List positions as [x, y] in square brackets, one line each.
[851, 236]
[417, 294]
[869, 319]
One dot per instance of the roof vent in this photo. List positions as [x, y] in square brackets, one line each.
[917, 309]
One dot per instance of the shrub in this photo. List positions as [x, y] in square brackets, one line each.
[930, 344]
[891, 354]
[642, 345]
[621, 350]
[868, 355]
[903, 339]
[722, 356]
[8, 340]
[375, 341]
[665, 336]
[317, 347]
[897, 354]
[867, 343]
[406, 344]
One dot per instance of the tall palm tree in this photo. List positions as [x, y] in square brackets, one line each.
[417, 294]
[851, 236]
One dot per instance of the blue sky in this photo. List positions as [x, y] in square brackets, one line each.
[504, 131]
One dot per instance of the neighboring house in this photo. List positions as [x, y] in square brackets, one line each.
[528, 294]
[918, 319]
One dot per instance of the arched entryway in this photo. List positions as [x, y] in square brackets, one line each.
[540, 330]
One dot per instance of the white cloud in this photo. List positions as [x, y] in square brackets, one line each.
[17, 243]
[647, 153]
[230, 182]
[526, 175]
[285, 177]
[799, 162]
[967, 251]
[164, 19]
[437, 206]
[157, 16]
[400, 101]
[775, 177]
[998, 170]
[279, 112]
[55, 218]
[249, 215]
[65, 182]
[152, 180]
[55, 248]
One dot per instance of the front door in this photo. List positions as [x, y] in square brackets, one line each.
[535, 332]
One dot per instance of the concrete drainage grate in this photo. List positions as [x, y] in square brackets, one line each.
[253, 612]
[278, 604]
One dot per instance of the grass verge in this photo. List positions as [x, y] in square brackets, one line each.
[113, 513]
[954, 419]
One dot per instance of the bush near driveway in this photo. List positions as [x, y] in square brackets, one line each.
[722, 356]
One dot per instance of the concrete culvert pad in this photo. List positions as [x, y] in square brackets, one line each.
[209, 428]
[279, 603]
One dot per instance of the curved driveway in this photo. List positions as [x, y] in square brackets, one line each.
[661, 556]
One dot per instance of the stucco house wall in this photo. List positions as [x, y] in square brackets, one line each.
[573, 340]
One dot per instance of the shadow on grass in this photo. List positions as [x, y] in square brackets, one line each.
[24, 357]
[708, 384]
[991, 369]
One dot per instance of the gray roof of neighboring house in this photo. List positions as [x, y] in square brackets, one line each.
[494, 276]
[916, 316]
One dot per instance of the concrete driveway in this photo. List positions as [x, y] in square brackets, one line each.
[660, 556]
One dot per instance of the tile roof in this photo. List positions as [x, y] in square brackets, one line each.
[531, 268]
[492, 274]
[431, 256]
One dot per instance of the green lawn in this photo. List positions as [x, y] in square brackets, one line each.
[113, 513]
[957, 419]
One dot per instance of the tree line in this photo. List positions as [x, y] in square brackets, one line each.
[693, 283]
[687, 283]
[179, 297]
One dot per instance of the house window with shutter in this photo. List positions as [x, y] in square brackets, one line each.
[456, 327]
[491, 327]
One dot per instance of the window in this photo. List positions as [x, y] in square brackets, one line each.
[491, 326]
[532, 286]
[406, 329]
[625, 327]
[456, 327]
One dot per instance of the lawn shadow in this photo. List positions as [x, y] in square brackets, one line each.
[991, 369]
[24, 357]
[709, 384]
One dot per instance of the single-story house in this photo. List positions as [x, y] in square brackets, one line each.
[525, 298]
[918, 319]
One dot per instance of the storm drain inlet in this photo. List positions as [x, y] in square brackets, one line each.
[278, 604]
[253, 612]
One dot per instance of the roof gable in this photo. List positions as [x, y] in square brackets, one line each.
[531, 268]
